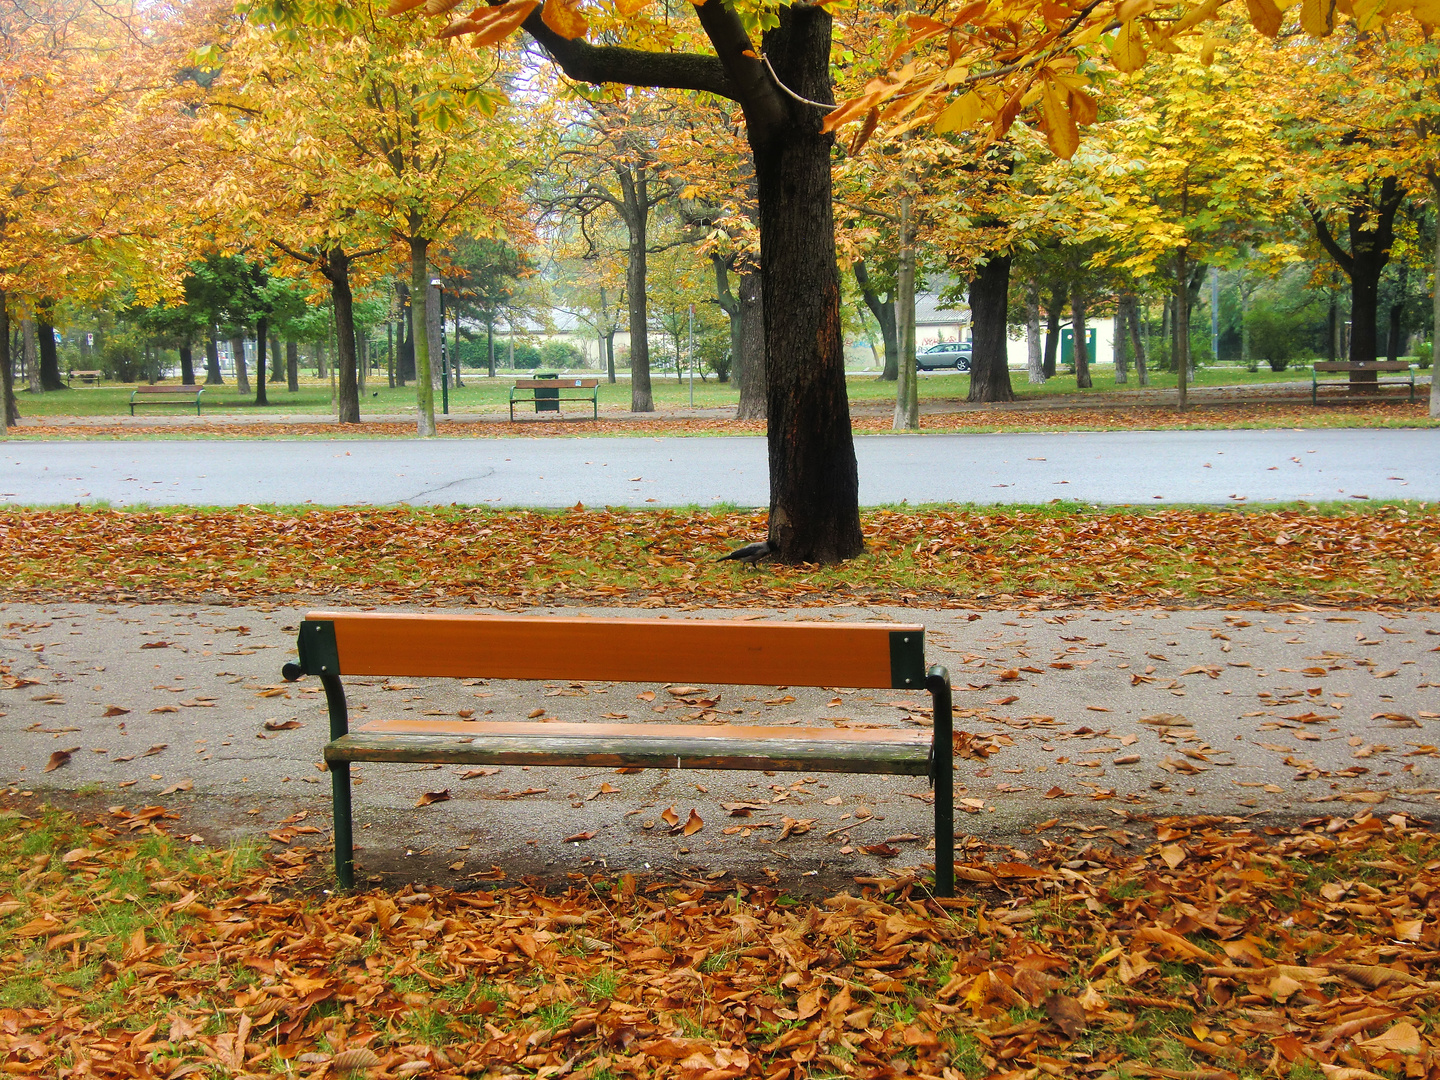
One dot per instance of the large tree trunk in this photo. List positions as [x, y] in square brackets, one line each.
[1397, 312]
[262, 330]
[814, 480]
[237, 352]
[1142, 372]
[752, 347]
[1034, 353]
[1053, 313]
[419, 336]
[1081, 335]
[607, 339]
[1182, 326]
[1120, 341]
[907, 380]
[292, 365]
[635, 275]
[730, 304]
[49, 360]
[277, 361]
[212, 359]
[336, 268]
[989, 305]
[884, 312]
[10, 408]
[31, 353]
[187, 364]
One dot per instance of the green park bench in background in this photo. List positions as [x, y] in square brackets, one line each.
[548, 393]
[163, 394]
[1359, 390]
[701, 651]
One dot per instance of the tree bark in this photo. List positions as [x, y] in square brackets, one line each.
[212, 359]
[10, 408]
[730, 304]
[1082, 338]
[814, 480]
[1120, 342]
[1182, 325]
[292, 365]
[1370, 223]
[1142, 372]
[420, 337]
[637, 221]
[31, 353]
[1033, 350]
[277, 361]
[1397, 312]
[262, 329]
[1053, 313]
[884, 311]
[237, 352]
[49, 360]
[335, 266]
[989, 305]
[187, 364]
[607, 339]
[907, 380]
[752, 348]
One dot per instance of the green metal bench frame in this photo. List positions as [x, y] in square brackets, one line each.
[147, 394]
[715, 652]
[1347, 368]
[592, 385]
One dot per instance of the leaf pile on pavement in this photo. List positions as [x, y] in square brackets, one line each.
[1385, 554]
[1207, 949]
[1020, 417]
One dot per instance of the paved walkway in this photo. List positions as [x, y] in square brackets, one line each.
[1112, 467]
[1113, 713]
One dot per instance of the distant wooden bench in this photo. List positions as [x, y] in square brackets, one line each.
[1370, 372]
[89, 378]
[548, 393]
[706, 652]
[170, 394]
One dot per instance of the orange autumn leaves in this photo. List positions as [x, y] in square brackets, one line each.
[660, 558]
[1124, 949]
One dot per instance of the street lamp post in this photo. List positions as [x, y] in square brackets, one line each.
[444, 359]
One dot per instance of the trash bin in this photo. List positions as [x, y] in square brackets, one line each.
[547, 398]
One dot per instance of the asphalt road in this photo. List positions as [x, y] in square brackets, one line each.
[1092, 716]
[1112, 467]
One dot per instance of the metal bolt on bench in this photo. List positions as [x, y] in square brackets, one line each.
[713, 651]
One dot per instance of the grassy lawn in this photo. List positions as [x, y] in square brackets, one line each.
[926, 556]
[1176, 948]
[485, 395]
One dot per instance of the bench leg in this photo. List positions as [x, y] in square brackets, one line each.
[340, 783]
[937, 681]
[344, 838]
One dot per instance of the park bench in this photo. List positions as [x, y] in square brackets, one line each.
[89, 378]
[166, 395]
[1364, 385]
[703, 651]
[548, 393]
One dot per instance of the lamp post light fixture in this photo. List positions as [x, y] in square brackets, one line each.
[444, 359]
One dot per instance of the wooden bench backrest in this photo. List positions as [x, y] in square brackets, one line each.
[172, 389]
[1362, 365]
[455, 645]
[531, 384]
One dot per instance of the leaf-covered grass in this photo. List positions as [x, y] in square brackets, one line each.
[937, 556]
[1180, 948]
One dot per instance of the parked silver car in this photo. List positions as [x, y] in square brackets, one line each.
[947, 354]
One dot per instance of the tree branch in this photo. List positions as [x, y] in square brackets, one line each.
[1327, 239]
[584, 62]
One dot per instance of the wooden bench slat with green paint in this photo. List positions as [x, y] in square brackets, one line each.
[166, 394]
[635, 650]
[1359, 388]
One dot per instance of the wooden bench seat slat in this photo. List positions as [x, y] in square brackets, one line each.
[1374, 369]
[457, 645]
[660, 746]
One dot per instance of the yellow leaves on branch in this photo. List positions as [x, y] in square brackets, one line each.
[491, 25]
[563, 16]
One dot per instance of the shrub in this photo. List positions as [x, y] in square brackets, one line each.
[1278, 363]
[560, 354]
[527, 356]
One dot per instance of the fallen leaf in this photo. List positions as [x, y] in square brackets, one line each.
[58, 758]
[432, 797]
